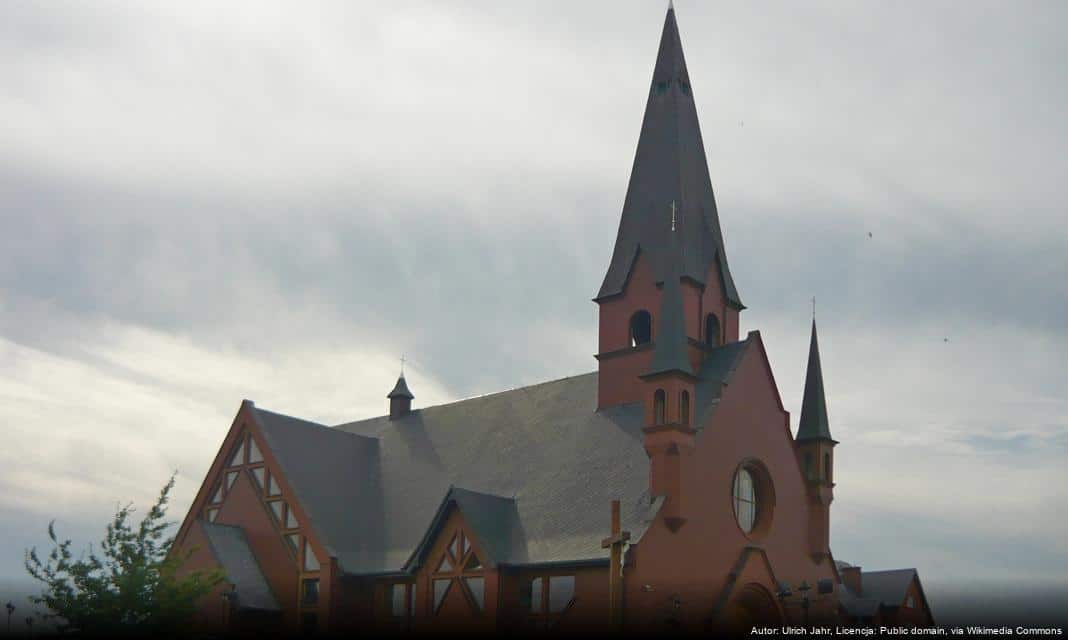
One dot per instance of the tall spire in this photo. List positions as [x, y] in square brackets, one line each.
[670, 192]
[814, 424]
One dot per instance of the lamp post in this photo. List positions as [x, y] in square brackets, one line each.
[10, 610]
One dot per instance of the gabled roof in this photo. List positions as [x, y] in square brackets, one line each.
[670, 191]
[494, 520]
[230, 547]
[813, 424]
[373, 488]
[888, 587]
[716, 371]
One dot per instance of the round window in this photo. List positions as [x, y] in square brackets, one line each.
[746, 507]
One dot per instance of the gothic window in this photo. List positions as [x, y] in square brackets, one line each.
[278, 509]
[641, 328]
[910, 603]
[293, 540]
[658, 406]
[460, 568]
[745, 499]
[712, 330]
[827, 467]
[684, 407]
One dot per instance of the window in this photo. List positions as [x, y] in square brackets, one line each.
[397, 605]
[745, 502]
[827, 467]
[712, 330]
[641, 328]
[311, 563]
[272, 486]
[217, 494]
[460, 564]
[561, 592]
[548, 598]
[658, 406]
[684, 407]
[212, 514]
[310, 592]
[477, 587]
[254, 454]
[258, 475]
[910, 603]
[231, 478]
[441, 589]
[278, 509]
[293, 540]
[291, 518]
[237, 458]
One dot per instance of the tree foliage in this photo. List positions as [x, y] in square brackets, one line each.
[131, 585]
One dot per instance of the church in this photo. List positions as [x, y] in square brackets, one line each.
[663, 491]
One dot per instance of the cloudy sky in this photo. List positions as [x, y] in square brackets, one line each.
[201, 203]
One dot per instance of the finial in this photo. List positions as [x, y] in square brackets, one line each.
[813, 308]
[671, 5]
[402, 360]
[674, 216]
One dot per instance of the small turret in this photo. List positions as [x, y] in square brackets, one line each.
[815, 448]
[400, 399]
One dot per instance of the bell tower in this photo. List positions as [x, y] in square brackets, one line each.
[815, 450]
[669, 224]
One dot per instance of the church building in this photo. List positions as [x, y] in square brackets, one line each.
[662, 491]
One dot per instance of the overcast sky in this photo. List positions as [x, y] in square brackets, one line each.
[204, 202]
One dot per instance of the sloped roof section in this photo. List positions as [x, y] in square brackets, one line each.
[716, 371]
[494, 520]
[813, 424]
[373, 488]
[336, 478]
[230, 547]
[400, 390]
[888, 587]
[670, 191]
[670, 346]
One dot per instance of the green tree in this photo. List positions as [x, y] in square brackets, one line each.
[130, 586]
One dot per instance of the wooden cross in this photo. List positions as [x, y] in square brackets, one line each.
[615, 542]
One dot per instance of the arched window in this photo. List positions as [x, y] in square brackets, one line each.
[641, 328]
[712, 330]
[684, 407]
[827, 467]
[658, 406]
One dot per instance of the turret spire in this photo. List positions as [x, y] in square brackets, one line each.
[670, 178]
[814, 424]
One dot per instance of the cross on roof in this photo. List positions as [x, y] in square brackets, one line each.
[673, 215]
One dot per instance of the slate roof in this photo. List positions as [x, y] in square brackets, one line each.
[888, 587]
[813, 424]
[532, 469]
[669, 167]
[230, 547]
[400, 390]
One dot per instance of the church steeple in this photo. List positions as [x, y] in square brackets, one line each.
[670, 191]
[813, 424]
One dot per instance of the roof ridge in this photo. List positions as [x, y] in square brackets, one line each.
[468, 398]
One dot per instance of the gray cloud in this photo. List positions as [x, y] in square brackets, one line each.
[203, 204]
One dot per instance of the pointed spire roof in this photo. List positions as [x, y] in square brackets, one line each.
[400, 390]
[669, 190]
[669, 343]
[814, 424]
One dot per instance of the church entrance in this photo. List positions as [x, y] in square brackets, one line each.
[753, 606]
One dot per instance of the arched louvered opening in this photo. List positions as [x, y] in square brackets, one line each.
[659, 402]
[641, 328]
[712, 330]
